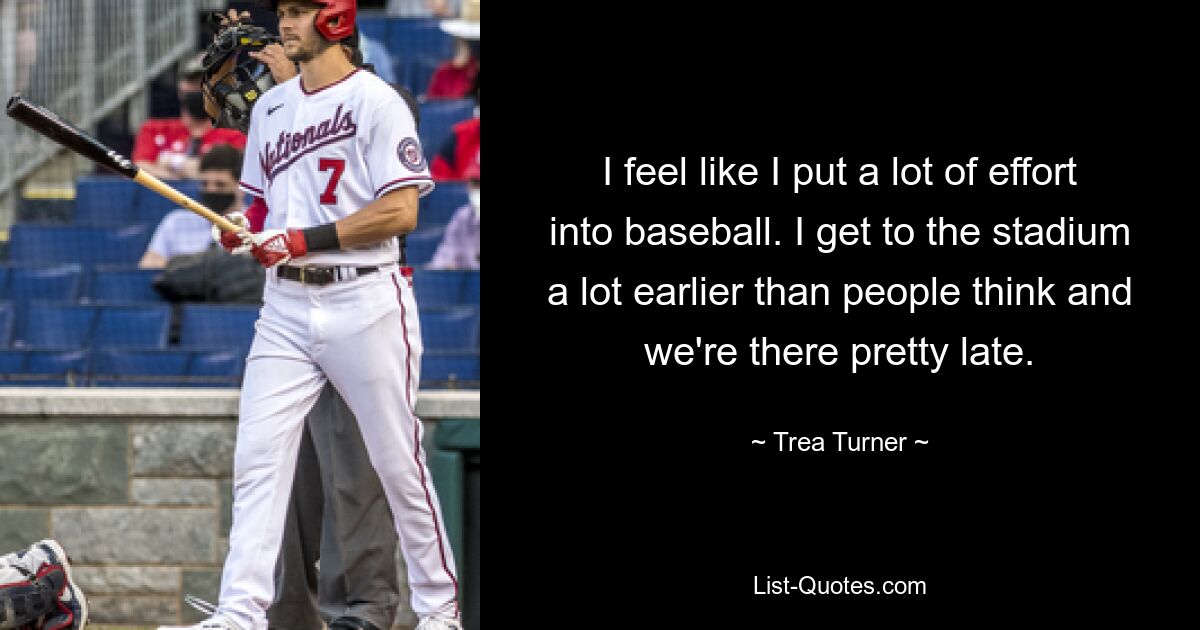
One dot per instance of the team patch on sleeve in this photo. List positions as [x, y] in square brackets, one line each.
[410, 155]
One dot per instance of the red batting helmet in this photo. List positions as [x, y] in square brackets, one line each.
[335, 22]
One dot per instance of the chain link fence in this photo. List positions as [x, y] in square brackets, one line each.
[82, 59]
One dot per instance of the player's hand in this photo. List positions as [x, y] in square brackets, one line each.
[274, 58]
[275, 247]
[233, 19]
[238, 242]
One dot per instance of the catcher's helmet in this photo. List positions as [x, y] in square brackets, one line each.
[233, 79]
[335, 21]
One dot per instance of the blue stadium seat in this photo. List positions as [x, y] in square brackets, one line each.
[450, 329]
[55, 326]
[132, 327]
[419, 246]
[437, 117]
[6, 323]
[52, 368]
[439, 289]
[446, 367]
[150, 207]
[472, 293]
[45, 245]
[217, 326]
[104, 201]
[415, 73]
[408, 37]
[139, 368]
[374, 26]
[58, 283]
[123, 284]
[12, 366]
[219, 368]
[439, 206]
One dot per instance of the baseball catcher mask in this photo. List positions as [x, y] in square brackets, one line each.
[232, 78]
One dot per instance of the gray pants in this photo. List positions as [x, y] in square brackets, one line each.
[339, 514]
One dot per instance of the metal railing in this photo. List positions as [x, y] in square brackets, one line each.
[82, 59]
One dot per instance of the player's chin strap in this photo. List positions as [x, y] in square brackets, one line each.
[200, 605]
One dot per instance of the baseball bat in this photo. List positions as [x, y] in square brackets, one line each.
[64, 133]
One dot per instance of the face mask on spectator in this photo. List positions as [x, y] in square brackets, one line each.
[193, 104]
[216, 201]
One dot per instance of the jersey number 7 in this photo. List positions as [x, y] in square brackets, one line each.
[338, 167]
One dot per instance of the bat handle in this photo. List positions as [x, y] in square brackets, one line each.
[164, 189]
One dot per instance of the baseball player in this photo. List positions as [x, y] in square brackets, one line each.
[37, 592]
[338, 511]
[336, 169]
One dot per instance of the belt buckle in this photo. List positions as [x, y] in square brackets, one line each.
[302, 280]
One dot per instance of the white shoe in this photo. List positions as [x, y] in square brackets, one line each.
[72, 597]
[440, 623]
[215, 622]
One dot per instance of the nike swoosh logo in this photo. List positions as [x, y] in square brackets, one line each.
[272, 110]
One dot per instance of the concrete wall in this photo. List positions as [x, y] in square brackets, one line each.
[136, 485]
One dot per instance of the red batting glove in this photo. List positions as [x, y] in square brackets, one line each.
[276, 247]
[234, 242]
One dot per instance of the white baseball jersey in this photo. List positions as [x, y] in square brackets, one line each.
[319, 156]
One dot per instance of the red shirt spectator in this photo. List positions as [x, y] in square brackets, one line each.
[458, 153]
[451, 81]
[170, 134]
[457, 77]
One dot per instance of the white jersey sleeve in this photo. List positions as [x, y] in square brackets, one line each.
[252, 180]
[394, 156]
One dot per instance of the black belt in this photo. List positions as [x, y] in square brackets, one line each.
[321, 276]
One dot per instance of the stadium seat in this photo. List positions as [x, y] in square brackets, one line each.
[123, 284]
[439, 368]
[55, 326]
[143, 327]
[211, 326]
[439, 289]
[219, 368]
[104, 201]
[53, 368]
[150, 207]
[437, 117]
[58, 283]
[414, 73]
[419, 246]
[472, 293]
[439, 206]
[12, 366]
[139, 368]
[6, 323]
[408, 37]
[377, 27]
[45, 245]
[450, 329]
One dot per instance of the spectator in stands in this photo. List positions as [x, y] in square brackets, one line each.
[461, 149]
[170, 148]
[456, 78]
[459, 248]
[185, 232]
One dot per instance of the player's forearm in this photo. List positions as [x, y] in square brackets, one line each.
[389, 216]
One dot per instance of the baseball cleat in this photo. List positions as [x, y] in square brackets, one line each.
[71, 597]
[440, 623]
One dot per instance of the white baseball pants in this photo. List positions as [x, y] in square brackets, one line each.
[363, 335]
